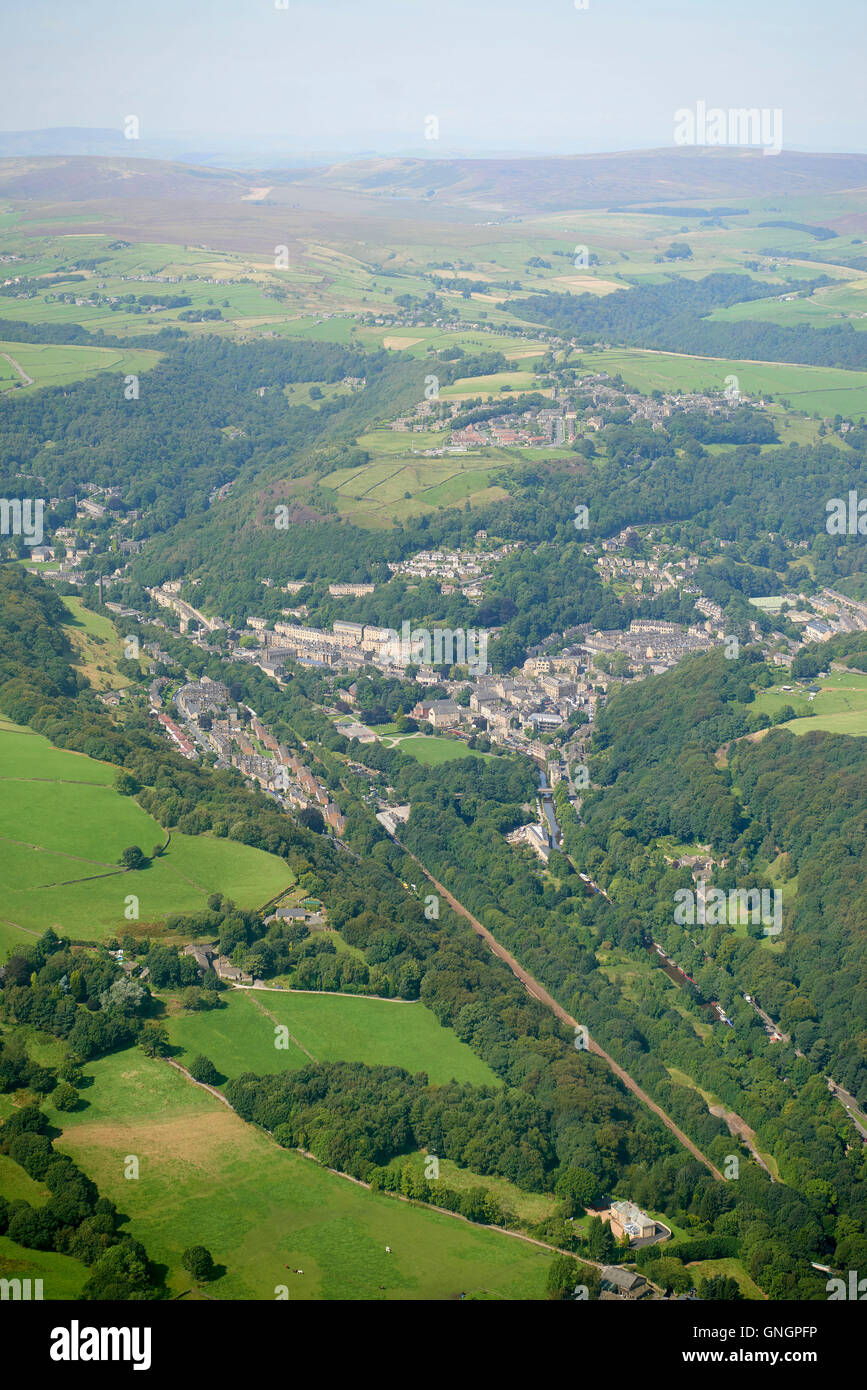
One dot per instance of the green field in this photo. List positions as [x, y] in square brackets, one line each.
[49, 364]
[398, 483]
[62, 1277]
[18, 1186]
[207, 1177]
[63, 831]
[840, 707]
[829, 390]
[326, 1028]
[431, 750]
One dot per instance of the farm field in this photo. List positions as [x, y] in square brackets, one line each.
[844, 722]
[207, 1177]
[63, 833]
[829, 390]
[237, 1038]
[840, 707]
[518, 379]
[398, 485]
[379, 1032]
[326, 1028]
[62, 1277]
[843, 302]
[50, 364]
[17, 1185]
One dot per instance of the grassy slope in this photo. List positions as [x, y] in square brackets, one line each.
[73, 826]
[208, 1178]
[350, 1028]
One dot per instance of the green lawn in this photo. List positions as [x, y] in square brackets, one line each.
[206, 1177]
[431, 750]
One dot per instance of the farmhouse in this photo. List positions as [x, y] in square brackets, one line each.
[202, 955]
[622, 1283]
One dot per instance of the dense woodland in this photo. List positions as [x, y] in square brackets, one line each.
[673, 317]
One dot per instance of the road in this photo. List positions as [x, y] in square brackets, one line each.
[539, 992]
[848, 1101]
[28, 380]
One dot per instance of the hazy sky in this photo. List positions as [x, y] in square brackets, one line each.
[499, 74]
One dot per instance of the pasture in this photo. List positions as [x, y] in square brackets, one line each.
[62, 1277]
[50, 364]
[398, 483]
[840, 707]
[324, 1028]
[206, 1177]
[829, 390]
[63, 831]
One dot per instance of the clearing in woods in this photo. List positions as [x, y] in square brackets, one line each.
[331, 1028]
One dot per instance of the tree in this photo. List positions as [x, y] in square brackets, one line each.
[600, 1241]
[563, 1275]
[199, 1262]
[719, 1287]
[154, 1039]
[578, 1188]
[670, 1274]
[133, 858]
[202, 1069]
[121, 1273]
[66, 1097]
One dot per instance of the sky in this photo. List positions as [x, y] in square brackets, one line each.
[499, 75]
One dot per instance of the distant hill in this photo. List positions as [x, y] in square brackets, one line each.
[556, 184]
[80, 178]
[429, 188]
